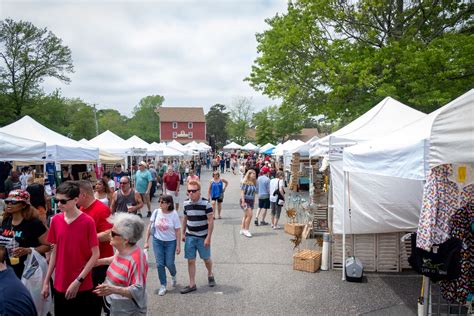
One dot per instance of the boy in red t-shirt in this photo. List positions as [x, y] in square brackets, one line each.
[75, 253]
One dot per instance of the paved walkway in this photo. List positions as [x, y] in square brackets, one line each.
[255, 277]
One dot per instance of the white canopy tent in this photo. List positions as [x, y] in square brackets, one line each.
[387, 116]
[195, 147]
[250, 146]
[286, 147]
[444, 136]
[205, 146]
[232, 146]
[303, 149]
[177, 146]
[137, 146]
[104, 156]
[111, 143]
[266, 147]
[13, 148]
[163, 151]
[59, 148]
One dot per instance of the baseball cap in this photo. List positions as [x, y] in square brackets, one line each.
[144, 164]
[265, 170]
[18, 196]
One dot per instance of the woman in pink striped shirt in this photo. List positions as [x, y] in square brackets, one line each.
[125, 285]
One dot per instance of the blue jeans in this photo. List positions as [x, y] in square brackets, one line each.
[164, 255]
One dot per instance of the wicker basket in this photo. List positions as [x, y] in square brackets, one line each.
[294, 229]
[307, 260]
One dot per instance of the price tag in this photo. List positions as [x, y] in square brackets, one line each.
[462, 174]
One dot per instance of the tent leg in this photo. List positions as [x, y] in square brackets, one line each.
[344, 199]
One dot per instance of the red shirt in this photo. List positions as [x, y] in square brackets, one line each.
[171, 181]
[99, 213]
[74, 243]
[128, 269]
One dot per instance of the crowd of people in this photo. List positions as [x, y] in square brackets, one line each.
[91, 244]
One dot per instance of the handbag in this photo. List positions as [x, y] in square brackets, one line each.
[277, 193]
[441, 263]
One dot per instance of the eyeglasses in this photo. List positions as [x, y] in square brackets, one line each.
[64, 201]
[161, 202]
[12, 202]
[192, 191]
[114, 234]
[124, 182]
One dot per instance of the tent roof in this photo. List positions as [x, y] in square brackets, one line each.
[303, 149]
[266, 147]
[177, 146]
[287, 146]
[110, 142]
[136, 142]
[232, 146]
[444, 136]
[13, 148]
[58, 147]
[387, 116]
[250, 146]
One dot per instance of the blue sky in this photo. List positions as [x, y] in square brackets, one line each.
[194, 53]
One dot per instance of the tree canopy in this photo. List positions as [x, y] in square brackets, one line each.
[216, 125]
[339, 58]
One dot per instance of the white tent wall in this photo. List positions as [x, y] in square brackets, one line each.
[378, 204]
[13, 148]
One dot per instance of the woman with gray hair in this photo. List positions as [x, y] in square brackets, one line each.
[125, 285]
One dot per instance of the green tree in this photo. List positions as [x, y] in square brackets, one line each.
[29, 55]
[339, 58]
[241, 112]
[145, 122]
[263, 127]
[113, 121]
[216, 124]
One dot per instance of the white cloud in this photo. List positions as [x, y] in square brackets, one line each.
[194, 53]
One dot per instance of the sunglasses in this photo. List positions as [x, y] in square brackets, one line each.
[114, 234]
[192, 191]
[164, 202]
[12, 202]
[124, 182]
[64, 201]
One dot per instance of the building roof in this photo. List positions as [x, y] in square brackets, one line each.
[181, 114]
[306, 134]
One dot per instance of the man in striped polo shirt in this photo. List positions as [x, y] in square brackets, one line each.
[198, 224]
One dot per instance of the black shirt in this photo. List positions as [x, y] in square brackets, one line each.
[27, 235]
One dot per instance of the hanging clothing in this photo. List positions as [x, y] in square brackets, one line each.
[457, 290]
[441, 198]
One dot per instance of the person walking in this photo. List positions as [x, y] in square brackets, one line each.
[117, 174]
[99, 212]
[75, 252]
[171, 185]
[247, 200]
[263, 190]
[215, 193]
[102, 191]
[126, 199]
[125, 284]
[198, 167]
[154, 180]
[198, 225]
[165, 228]
[222, 164]
[276, 192]
[191, 177]
[181, 170]
[143, 182]
[22, 224]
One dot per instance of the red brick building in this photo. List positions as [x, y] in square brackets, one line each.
[183, 124]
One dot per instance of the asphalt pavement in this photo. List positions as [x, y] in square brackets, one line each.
[255, 276]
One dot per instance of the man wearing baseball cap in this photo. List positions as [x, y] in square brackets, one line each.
[143, 185]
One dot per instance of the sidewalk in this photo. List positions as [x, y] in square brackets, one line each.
[255, 276]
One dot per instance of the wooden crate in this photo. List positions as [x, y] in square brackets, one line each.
[294, 229]
[307, 260]
[388, 252]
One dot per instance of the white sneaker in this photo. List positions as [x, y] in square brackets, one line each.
[247, 233]
[173, 281]
[241, 232]
[276, 227]
[162, 290]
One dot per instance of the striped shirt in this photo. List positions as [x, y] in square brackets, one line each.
[249, 191]
[129, 271]
[196, 213]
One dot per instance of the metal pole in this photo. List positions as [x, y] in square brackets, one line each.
[96, 122]
[344, 226]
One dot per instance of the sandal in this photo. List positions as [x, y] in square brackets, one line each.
[188, 289]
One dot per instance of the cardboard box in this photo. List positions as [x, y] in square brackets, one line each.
[307, 260]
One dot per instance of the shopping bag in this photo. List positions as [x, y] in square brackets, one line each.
[33, 276]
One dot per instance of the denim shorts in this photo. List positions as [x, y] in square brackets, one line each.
[196, 244]
[249, 203]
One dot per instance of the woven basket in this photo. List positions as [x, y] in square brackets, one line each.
[294, 229]
[307, 260]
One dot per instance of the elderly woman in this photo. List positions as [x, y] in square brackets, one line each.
[125, 285]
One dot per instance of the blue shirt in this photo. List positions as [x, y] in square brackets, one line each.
[142, 179]
[15, 299]
[249, 191]
[263, 187]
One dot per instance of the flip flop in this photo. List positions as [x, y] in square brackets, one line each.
[188, 289]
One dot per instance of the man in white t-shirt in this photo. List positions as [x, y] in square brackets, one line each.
[276, 183]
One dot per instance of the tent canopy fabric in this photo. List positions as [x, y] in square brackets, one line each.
[111, 143]
[250, 146]
[387, 116]
[177, 146]
[13, 148]
[109, 158]
[444, 136]
[136, 142]
[205, 146]
[163, 150]
[303, 149]
[232, 146]
[286, 147]
[58, 147]
[266, 147]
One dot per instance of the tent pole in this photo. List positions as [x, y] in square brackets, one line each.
[344, 200]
